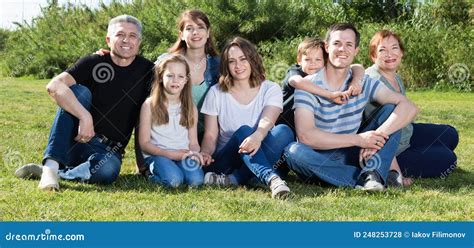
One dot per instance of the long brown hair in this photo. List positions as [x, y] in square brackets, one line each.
[159, 101]
[255, 60]
[180, 45]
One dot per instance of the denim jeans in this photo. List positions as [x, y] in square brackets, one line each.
[340, 167]
[104, 161]
[431, 151]
[264, 164]
[172, 173]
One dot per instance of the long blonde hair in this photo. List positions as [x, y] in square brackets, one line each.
[159, 101]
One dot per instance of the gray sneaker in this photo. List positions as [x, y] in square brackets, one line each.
[33, 171]
[212, 178]
[394, 179]
[279, 188]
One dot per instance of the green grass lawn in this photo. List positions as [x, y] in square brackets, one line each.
[26, 114]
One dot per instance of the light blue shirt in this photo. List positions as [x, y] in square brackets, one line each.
[332, 117]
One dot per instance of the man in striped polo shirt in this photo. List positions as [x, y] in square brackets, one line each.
[332, 140]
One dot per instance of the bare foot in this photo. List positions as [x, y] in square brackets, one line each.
[407, 181]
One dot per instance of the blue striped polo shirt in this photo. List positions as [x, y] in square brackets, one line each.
[332, 117]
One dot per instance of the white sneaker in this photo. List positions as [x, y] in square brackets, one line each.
[49, 179]
[279, 188]
[212, 178]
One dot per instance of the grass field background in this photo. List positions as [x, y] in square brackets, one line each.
[26, 114]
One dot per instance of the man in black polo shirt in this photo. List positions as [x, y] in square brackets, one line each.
[99, 101]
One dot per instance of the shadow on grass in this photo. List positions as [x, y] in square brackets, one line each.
[129, 183]
[125, 183]
[459, 180]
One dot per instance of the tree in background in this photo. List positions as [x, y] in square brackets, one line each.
[437, 35]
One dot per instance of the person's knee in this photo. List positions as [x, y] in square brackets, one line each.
[152, 163]
[289, 149]
[196, 179]
[172, 181]
[388, 108]
[83, 95]
[104, 169]
[396, 136]
[243, 132]
[292, 152]
[284, 132]
[442, 164]
[193, 173]
[452, 137]
[167, 171]
[384, 112]
[293, 148]
[449, 164]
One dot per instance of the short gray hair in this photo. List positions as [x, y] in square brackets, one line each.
[124, 18]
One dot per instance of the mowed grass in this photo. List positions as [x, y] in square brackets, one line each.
[26, 114]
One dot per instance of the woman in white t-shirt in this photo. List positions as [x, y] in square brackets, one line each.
[240, 113]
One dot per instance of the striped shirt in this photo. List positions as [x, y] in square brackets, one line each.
[332, 117]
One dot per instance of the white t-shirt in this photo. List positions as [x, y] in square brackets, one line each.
[170, 136]
[231, 115]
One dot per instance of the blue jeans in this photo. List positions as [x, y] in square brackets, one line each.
[264, 164]
[172, 173]
[104, 161]
[340, 167]
[431, 151]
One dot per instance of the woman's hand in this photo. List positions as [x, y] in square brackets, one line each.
[206, 159]
[251, 144]
[196, 156]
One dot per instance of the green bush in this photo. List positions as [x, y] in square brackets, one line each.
[438, 36]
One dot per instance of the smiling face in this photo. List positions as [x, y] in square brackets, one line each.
[312, 61]
[124, 40]
[194, 33]
[388, 55]
[174, 78]
[342, 48]
[239, 66]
